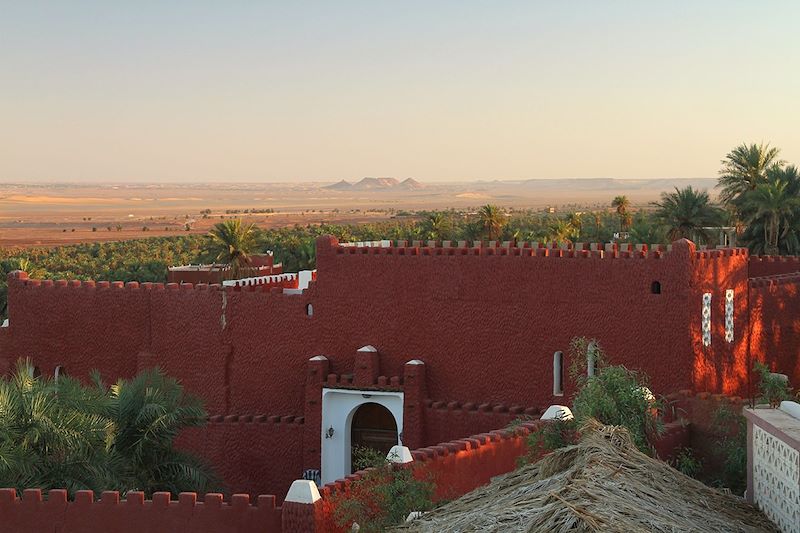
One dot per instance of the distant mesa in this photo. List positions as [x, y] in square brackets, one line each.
[376, 184]
[411, 184]
[342, 185]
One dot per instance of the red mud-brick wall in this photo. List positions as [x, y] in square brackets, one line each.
[455, 467]
[447, 421]
[251, 454]
[487, 321]
[723, 366]
[775, 317]
[33, 514]
[707, 423]
[771, 265]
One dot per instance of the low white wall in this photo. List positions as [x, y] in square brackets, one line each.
[773, 464]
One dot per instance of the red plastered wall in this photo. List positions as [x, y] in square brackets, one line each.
[487, 325]
[770, 265]
[775, 331]
[252, 455]
[486, 322]
[33, 514]
[723, 366]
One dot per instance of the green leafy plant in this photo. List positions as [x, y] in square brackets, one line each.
[615, 395]
[773, 388]
[686, 462]
[549, 436]
[385, 496]
[731, 447]
[63, 434]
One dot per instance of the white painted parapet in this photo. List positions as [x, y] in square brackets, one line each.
[773, 463]
[303, 491]
[399, 454]
[558, 412]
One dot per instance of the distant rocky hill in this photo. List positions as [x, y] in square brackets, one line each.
[376, 184]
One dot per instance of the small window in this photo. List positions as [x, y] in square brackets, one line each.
[309, 310]
[591, 360]
[60, 372]
[655, 287]
[558, 374]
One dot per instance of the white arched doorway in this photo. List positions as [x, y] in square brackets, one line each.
[340, 407]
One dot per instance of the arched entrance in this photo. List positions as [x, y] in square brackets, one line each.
[373, 427]
[350, 417]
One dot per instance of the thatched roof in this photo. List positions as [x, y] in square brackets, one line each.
[604, 483]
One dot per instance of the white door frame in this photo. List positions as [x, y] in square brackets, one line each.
[338, 408]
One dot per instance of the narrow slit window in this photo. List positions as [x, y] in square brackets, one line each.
[558, 374]
[729, 315]
[706, 319]
[309, 310]
[655, 287]
[591, 360]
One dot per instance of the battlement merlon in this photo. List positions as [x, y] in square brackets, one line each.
[683, 248]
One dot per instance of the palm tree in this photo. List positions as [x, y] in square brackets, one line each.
[744, 168]
[436, 226]
[491, 221]
[772, 211]
[576, 221]
[148, 412]
[232, 243]
[686, 213]
[47, 439]
[621, 204]
[62, 434]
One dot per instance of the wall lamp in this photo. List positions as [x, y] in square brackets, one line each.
[329, 433]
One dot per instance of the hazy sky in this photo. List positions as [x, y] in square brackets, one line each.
[437, 90]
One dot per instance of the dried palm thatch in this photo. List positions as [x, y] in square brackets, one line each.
[604, 483]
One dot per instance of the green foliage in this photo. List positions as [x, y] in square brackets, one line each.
[384, 496]
[764, 194]
[62, 434]
[686, 212]
[615, 395]
[731, 447]
[773, 388]
[231, 242]
[548, 437]
[744, 167]
[686, 462]
[135, 260]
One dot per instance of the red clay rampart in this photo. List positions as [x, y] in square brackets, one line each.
[34, 514]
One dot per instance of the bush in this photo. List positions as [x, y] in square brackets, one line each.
[686, 462]
[615, 395]
[384, 496]
[59, 433]
[732, 447]
[548, 437]
[773, 388]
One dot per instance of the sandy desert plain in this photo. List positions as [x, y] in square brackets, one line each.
[61, 213]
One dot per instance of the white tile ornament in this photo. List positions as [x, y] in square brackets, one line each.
[729, 315]
[706, 319]
[776, 470]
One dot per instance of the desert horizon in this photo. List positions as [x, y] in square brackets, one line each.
[51, 214]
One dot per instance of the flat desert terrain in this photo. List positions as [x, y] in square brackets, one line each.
[54, 214]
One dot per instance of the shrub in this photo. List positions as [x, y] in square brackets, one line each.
[384, 496]
[686, 462]
[773, 388]
[615, 395]
[732, 447]
[63, 434]
[548, 437]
